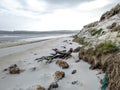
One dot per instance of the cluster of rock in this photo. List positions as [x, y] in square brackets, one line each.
[58, 75]
[53, 85]
[13, 69]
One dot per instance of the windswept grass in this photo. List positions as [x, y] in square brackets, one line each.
[107, 47]
[96, 32]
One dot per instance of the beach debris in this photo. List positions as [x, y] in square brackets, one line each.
[53, 85]
[74, 71]
[59, 75]
[58, 54]
[13, 69]
[62, 64]
[39, 87]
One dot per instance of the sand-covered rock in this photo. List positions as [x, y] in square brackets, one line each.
[62, 64]
[39, 87]
[59, 75]
[13, 69]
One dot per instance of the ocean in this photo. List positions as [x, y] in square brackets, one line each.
[17, 36]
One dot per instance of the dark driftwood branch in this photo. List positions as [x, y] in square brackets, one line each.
[58, 54]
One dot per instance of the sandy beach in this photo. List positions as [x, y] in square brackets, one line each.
[24, 56]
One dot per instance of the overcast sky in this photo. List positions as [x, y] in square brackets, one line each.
[41, 15]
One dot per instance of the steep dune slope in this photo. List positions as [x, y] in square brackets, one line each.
[101, 46]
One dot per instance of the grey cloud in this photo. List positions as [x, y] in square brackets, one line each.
[26, 7]
[52, 5]
[70, 2]
[55, 4]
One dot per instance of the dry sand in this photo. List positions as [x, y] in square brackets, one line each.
[24, 56]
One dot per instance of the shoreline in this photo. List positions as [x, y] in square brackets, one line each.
[27, 41]
[12, 44]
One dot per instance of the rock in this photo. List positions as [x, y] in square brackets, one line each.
[74, 71]
[39, 87]
[77, 49]
[35, 53]
[5, 69]
[62, 64]
[13, 69]
[53, 85]
[59, 75]
[70, 43]
[77, 61]
[74, 82]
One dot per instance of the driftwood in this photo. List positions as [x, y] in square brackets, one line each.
[58, 54]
